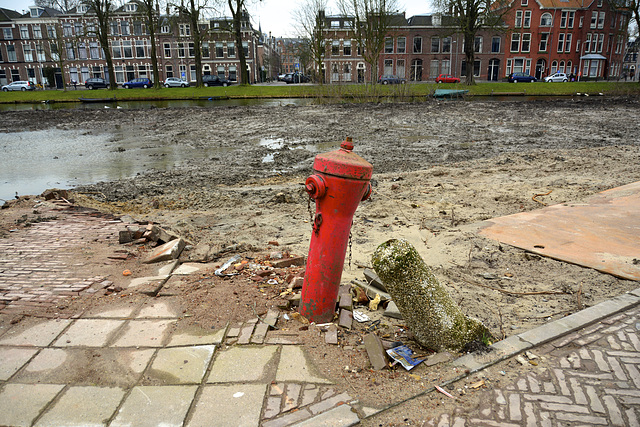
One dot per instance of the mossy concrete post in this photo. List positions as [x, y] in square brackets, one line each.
[431, 315]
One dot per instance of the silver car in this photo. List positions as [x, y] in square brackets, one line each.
[557, 77]
[19, 85]
[175, 82]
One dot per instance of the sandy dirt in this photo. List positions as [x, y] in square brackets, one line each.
[439, 169]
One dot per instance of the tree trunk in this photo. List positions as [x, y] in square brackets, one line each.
[432, 316]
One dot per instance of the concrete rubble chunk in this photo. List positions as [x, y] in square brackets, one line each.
[438, 358]
[371, 291]
[392, 311]
[375, 351]
[166, 252]
[346, 319]
[374, 280]
[272, 317]
[346, 302]
[297, 261]
[331, 336]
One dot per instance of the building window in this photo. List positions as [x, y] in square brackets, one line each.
[130, 7]
[165, 29]
[446, 45]
[561, 67]
[335, 48]
[231, 50]
[233, 75]
[140, 53]
[82, 51]
[587, 43]
[205, 49]
[192, 50]
[388, 66]
[600, 42]
[116, 50]
[518, 22]
[560, 42]
[527, 19]
[435, 44]
[219, 50]
[477, 45]
[417, 48]
[402, 44]
[400, 72]
[15, 75]
[169, 70]
[524, 3]
[572, 16]
[526, 42]
[554, 67]
[578, 46]
[185, 29]
[335, 24]
[433, 69]
[40, 54]
[546, 20]
[94, 50]
[544, 40]
[114, 29]
[37, 32]
[67, 30]
[137, 28]
[495, 44]
[346, 46]
[221, 71]
[124, 27]
[567, 43]
[167, 50]
[119, 70]
[594, 19]
[27, 52]
[7, 33]
[181, 50]
[70, 51]
[11, 53]
[24, 32]
[127, 49]
[192, 69]
[416, 70]
[563, 19]
[601, 16]
[515, 42]
[245, 49]
[388, 45]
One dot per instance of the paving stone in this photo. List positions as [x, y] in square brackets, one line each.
[309, 394]
[157, 310]
[181, 365]
[245, 333]
[259, 333]
[116, 313]
[288, 419]
[341, 415]
[154, 406]
[143, 333]
[346, 319]
[229, 405]
[40, 335]
[240, 364]
[375, 351]
[272, 407]
[168, 251]
[12, 359]
[291, 397]
[47, 359]
[20, 404]
[83, 406]
[293, 366]
[89, 333]
[196, 336]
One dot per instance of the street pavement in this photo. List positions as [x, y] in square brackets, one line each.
[132, 365]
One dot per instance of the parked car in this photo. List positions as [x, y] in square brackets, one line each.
[19, 85]
[213, 80]
[175, 82]
[139, 82]
[96, 83]
[521, 77]
[557, 77]
[447, 78]
[389, 79]
[296, 78]
[281, 77]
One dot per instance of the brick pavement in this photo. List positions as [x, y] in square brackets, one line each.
[39, 265]
[590, 377]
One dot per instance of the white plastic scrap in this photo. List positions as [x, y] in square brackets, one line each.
[219, 272]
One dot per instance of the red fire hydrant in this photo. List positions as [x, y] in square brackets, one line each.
[341, 181]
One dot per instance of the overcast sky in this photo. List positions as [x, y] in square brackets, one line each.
[273, 15]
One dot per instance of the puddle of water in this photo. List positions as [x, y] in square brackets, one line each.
[31, 162]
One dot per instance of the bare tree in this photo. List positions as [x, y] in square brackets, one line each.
[150, 17]
[61, 5]
[469, 17]
[193, 13]
[103, 9]
[372, 21]
[238, 9]
[311, 23]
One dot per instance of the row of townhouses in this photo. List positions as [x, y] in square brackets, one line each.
[583, 38]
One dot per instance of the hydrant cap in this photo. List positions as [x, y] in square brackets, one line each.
[343, 163]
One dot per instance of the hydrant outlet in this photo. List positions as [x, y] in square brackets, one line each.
[367, 192]
[315, 187]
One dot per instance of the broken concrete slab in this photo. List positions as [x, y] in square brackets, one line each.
[272, 317]
[241, 364]
[166, 252]
[346, 302]
[83, 406]
[392, 311]
[294, 367]
[371, 291]
[437, 358]
[346, 319]
[374, 280]
[375, 351]
[181, 365]
[331, 336]
[298, 261]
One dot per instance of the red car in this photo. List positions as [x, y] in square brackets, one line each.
[447, 78]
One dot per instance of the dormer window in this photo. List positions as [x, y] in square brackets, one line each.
[335, 24]
[81, 8]
[130, 7]
[35, 12]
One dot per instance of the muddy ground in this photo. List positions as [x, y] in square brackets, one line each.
[439, 168]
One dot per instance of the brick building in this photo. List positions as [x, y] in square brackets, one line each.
[585, 38]
[66, 42]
